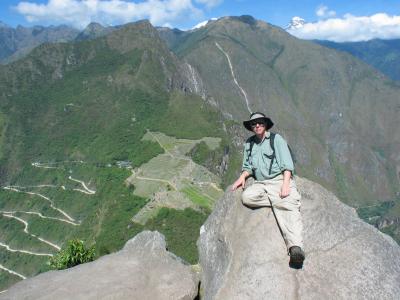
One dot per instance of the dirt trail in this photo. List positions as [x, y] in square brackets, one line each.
[86, 191]
[24, 251]
[49, 165]
[11, 272]
[160, 180]
[44, 197]
[26, 224]
[212, 184]
[39, 215]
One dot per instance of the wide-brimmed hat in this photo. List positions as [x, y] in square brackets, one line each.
[257, 116]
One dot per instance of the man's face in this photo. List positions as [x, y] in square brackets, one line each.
[258, 127]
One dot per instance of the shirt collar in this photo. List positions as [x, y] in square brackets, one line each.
[267, 135]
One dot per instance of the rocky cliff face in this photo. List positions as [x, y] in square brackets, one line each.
[243, 255]
[92, 31]
[143, 269]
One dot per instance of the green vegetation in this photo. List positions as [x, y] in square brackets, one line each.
[204, 120]
[7, 280]
[393, 231]
[25, 264]
[346, 186]
[110, 225]
[100, 218]
[198, 197]
[188, 42]
[181, 230]
[384, 211]
[2, 131]
[379, 210]
[200, 153]
[384, 55]
[212, 159]
[21, 241]
[75, 253]
[80, 127]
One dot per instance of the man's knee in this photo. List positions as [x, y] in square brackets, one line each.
[247, 197]
[254, 197]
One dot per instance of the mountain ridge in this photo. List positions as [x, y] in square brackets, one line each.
[18, 42]
[384, 55]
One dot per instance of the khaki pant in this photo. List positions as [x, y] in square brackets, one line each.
[286, 210]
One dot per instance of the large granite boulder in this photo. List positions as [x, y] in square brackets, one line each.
[243, 255]
[143, 269]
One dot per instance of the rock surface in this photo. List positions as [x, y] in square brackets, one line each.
[243, 255]
[143, 269]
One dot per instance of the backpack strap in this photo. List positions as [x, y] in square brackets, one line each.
[272, 156]
[251, 147]
[249, 151]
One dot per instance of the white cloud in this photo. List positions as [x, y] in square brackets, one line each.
[323, 12]
[79, 13]
[204, 23]
[351, 28]
[210, 3]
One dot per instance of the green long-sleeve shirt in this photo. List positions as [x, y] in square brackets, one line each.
[258, 163]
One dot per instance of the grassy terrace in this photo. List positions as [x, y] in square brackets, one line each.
[198, 198]
[172, 179]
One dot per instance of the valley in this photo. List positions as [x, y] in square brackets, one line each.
[36, 219]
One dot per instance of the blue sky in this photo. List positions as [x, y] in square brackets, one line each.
[322, 16]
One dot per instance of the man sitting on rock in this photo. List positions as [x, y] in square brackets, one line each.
[267, 158]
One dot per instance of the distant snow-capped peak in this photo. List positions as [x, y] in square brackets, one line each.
[204, 23]
[295, 23]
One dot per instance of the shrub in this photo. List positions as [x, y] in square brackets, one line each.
[74, 254]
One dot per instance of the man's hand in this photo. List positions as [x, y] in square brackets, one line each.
[285, 188]
[241, 181]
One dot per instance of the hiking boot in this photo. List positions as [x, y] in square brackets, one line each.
[297, 255]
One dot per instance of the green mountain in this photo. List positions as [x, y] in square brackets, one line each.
[337, 113]
[105, 137]
[78, 120]
[172, 37]
[384, 55]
